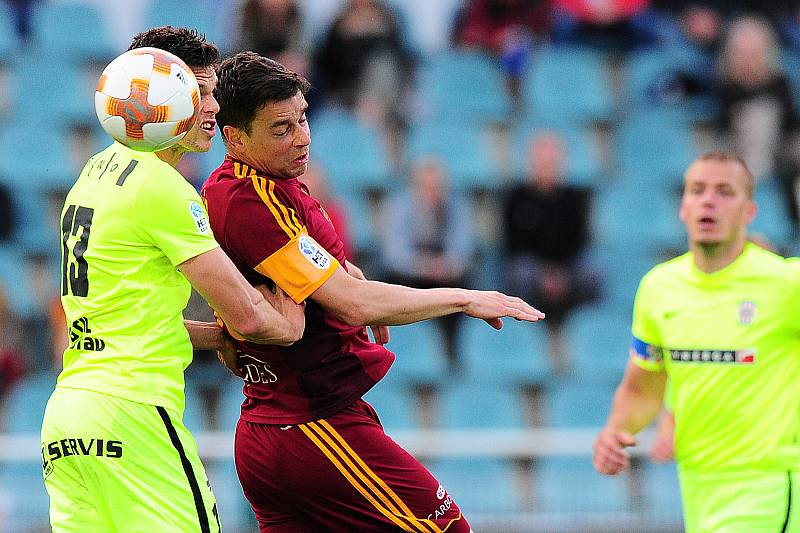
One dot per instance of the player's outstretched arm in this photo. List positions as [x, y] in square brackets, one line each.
[637, 402]
[373, 303]
[243, 308]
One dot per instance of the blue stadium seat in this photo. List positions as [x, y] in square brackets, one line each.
[14, 281]
[394, 403]
[577, 404]
[772, 218]
[474, 404]
[571, 485]
[420, 353]
[482, 485]
[642, 220]
[230, 403]
[597, 340]
[582, 152]
[462, 87]
[195, 414]
[648, 76]
[653, 154]
[623, 266]
[8, 34]
[567, 86]
[71, 31]
[352, 153]
[362, 227]
[517, 354]
[39, 155]
[23, 480]
[206, 16]
[46, 94]
[466, 153]
[661, 492]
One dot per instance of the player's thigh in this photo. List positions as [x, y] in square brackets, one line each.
[743, 501]
[341, 473]
[139, 464]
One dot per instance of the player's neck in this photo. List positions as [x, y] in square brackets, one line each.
[172, 155]
[710, 258]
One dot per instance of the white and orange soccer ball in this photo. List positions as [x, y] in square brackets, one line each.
[147, 99]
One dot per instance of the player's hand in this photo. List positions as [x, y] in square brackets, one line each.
[381, 334]
[610, 457]
[283, 304]
[491, 306]
[663, 449]
[228, 355]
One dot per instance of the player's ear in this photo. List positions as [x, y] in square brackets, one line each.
[750, 211]
[232, 135]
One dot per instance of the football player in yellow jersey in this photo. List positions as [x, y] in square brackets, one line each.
[115, 452]
[723, 323]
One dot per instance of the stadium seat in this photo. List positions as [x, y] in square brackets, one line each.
[394, 403]
[661, 492]
[484, 485]
[582, 153]
[352, 153]
[596, 340]
[623, 265]
[8, 35]
[567, 86]
[517, 354]
[14, 281]
[571, 485]
[71, 31]
[464, 88]
[203, 15]
[577, 404]
[420, 354]
[772, 218]
[475, 404]
[41, 153]
[22, 481]
[46, 94]
[466, 153]
[644, 160]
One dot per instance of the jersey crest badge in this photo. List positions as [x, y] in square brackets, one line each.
[747, 312]
[199, 216]
[313, 252]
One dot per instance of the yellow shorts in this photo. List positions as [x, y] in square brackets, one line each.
[741, 502]
[115, 465]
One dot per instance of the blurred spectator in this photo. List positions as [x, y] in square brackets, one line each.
[505, 29]
[618, 24]
[274, 29]
[11, 356]
[7, 214]
[757, 114]
[546, 224]
[363, 63]
[22, 11]
[317, 182]
[429, 240]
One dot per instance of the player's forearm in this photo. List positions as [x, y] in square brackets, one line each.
[633, 411]
[273, 328]
[204, 335]
[384, 304]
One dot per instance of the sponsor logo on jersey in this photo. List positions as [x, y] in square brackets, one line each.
[445, 506]
[199, 216]
[256, 370]
[745, 356]
[747, 312]
[79, 338]
[313, 252]
[440, 492]
[52, 451]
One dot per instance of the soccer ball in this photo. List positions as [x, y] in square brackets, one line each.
[147, 99]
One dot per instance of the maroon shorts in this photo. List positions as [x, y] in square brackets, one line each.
[340, 473]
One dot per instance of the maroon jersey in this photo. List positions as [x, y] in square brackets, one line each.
[274, 231]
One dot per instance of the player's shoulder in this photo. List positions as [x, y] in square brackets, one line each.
[773, 265]
[669, 269]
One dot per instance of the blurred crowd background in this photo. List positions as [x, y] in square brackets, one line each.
[531, 146]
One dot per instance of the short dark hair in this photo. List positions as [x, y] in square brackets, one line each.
[247, 82]
[186, 43]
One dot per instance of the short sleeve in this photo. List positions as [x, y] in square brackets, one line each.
[266, 230]
[645, 351]
[170, 214]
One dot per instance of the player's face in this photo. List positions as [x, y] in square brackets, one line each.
[279, 138]
[198, 139]
[715, 207]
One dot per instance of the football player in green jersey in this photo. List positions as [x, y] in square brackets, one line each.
[115, 452]
[723, 322]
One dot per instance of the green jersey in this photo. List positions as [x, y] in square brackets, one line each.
[127, 223]
[730, 344]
